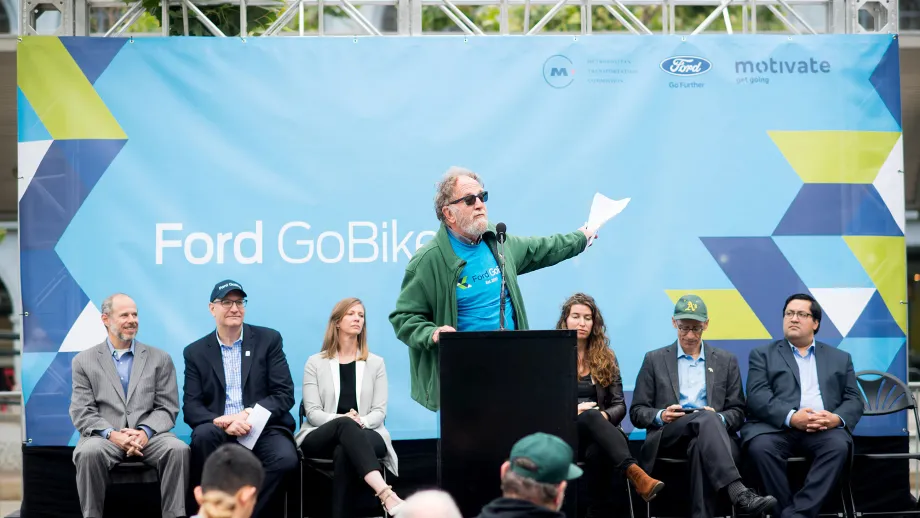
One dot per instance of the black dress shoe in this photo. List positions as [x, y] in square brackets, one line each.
[749, 503]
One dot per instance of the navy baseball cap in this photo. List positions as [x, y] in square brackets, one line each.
[222, 288]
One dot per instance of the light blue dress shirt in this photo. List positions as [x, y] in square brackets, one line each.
[808, 376]
[233, 374]
[124, 362]
[691, 376]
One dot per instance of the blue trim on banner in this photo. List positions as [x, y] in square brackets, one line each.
[838, 209]
[30, 127]
[886, 78]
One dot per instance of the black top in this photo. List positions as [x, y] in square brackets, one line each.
[586, 390]
[348, 398]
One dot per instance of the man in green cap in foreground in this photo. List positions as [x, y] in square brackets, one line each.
[689, 398]
[534, 479]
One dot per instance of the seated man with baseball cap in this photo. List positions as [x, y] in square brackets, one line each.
[534, 479]
[227, 373]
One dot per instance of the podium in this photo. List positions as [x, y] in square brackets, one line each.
[497, 387]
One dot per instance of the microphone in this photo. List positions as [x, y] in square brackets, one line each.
[500, 230]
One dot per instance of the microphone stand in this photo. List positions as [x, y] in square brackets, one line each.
[501, 296]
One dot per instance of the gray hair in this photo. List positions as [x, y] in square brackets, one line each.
[108, 302]
[446, 188]
[431, 503]
[528, 488]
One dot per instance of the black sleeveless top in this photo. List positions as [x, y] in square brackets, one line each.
[348, 397]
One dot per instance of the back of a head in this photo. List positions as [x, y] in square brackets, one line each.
[430, 504]
[229, 469]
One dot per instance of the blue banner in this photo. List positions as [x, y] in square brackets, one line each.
[758, 166]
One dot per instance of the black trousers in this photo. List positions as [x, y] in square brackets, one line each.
[829, 451]
[354, 452]
[712, 453]
[275, 448]
[605, 450]
[599, 440]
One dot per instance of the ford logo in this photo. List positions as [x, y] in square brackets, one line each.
[686, 65]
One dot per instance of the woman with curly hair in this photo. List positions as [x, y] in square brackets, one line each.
[601, 405]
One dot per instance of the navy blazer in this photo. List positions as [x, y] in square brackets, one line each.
[266, 378]
[774, 387]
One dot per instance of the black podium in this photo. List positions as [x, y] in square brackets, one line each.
[497, 387]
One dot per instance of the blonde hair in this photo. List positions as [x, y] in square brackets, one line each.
[331, 340]
[217, 504]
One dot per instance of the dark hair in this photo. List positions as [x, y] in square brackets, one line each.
[528, 488]
[815, 307]
[230, 468]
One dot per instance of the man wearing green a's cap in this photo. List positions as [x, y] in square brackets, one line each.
[688, 397]
[534, 479]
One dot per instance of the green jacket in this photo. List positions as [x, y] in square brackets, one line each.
[428, 298]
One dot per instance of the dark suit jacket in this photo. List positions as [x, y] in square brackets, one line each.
[774, 387]
[610, 398]
[266, 378]
[658, 386]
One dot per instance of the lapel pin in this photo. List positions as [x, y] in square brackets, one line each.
[710, 368]
[247, 354]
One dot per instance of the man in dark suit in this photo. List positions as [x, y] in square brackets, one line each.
[689, 399]
[227, 373]
[802, 399]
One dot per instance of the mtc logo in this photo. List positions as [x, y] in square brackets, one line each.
[686, 65]
[558, 71]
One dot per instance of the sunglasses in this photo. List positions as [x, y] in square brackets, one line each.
[470, 199]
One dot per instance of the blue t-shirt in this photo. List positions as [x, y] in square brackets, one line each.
[478, 289]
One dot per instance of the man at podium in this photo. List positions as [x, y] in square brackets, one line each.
[465, 279]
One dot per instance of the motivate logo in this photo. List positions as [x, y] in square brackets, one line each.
[774, 66]
[462, 284]
[558, 71]
[686, 65]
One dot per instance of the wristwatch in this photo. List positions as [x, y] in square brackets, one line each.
[107, 434]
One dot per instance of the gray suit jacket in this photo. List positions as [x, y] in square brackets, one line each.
[99, 402]
[321, 389]
[658, 386]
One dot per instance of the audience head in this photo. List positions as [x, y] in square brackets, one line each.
[119, 315]
[801, 319]
[538, 470]
[429, 504]
[580, 313]
[228, 304]
[230, 481]
[691, 319]
[346, 322]
[460, 203]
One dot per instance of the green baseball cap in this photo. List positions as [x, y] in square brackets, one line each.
[552, 456]
[691, 307]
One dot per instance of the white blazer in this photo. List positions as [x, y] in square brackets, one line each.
[321, 390]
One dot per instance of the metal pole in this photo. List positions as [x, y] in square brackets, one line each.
[712, 16]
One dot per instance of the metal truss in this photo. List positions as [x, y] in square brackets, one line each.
[306, 17]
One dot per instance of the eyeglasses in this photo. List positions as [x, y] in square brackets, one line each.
[227, 303]
[686, 329]
[470, 199]
[801, 314]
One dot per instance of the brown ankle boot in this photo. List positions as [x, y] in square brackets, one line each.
[646, 486]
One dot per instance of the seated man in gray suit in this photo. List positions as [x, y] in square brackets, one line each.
[803, 400]
[689, 399]
[124, 403]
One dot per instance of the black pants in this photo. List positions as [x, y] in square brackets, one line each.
[354, 452]
[275, 448]
[712, 453]
[829, 451]
[599, 440]
[605, 450]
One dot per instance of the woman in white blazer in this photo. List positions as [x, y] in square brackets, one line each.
[345, 399]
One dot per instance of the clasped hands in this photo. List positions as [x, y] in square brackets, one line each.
[234, 424]
[130, 440]
[353, 414]
[811, 421]
[590, 405]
